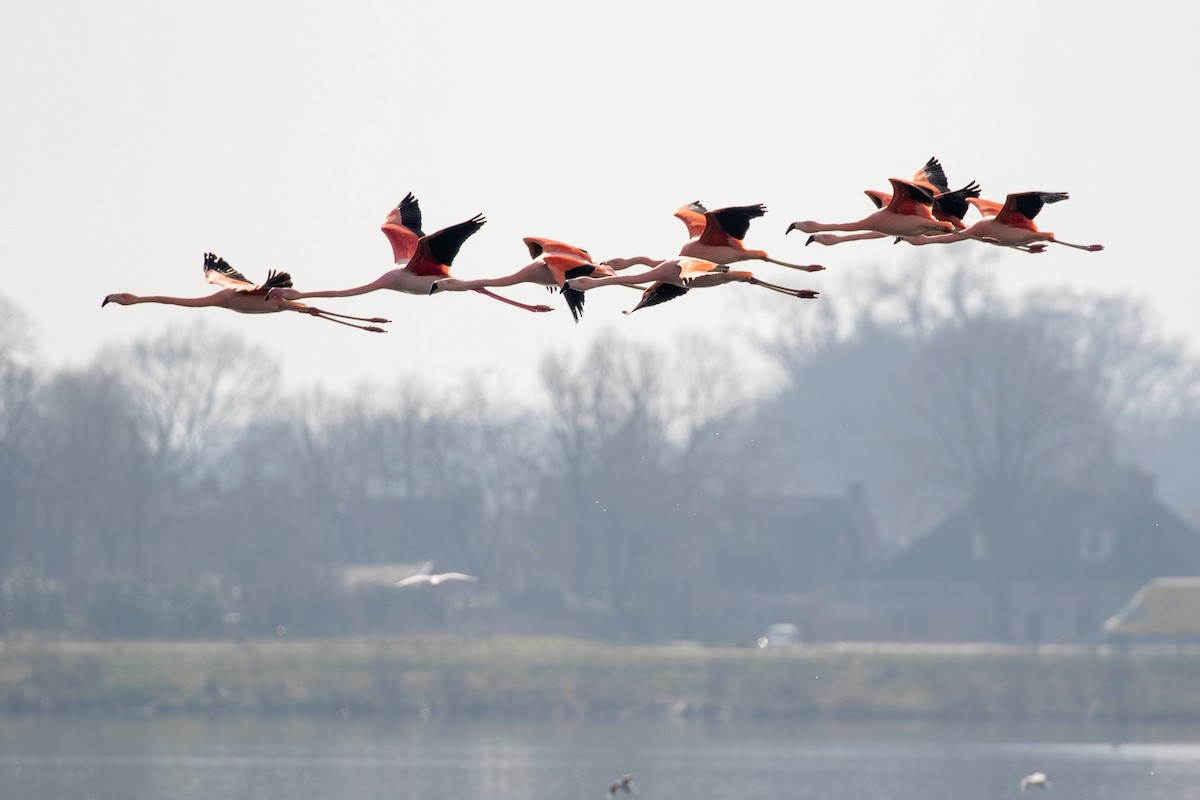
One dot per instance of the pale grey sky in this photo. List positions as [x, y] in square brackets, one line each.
[138, 135]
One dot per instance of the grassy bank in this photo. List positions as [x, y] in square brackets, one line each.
[542, 678]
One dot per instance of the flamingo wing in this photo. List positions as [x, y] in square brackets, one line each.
[932, 175]
[909, 198]
[403, 228]
[880, 199]
[435, 252]
[537, 246]
[691, 267]
[692, 215]
[986, 208]
[1021, 207]
[575, 297]
[561, 266]
[218, 271]
[658, 293]
[729, 223]
[952, 206]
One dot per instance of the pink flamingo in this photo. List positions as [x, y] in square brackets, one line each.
[422, 260]
[715, 236]
[907, 213]
[1010, 225]
[675, 276]
[239, 294]
[553, 262]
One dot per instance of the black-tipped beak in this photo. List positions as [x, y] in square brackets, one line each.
[433, 287]
[810, 240]
[791, 228]
[104, 302]
[897, 240]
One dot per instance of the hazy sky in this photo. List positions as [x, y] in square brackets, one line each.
[138, 135]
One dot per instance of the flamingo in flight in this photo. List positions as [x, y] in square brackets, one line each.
[675, 276]
[421, 260]
[553, 262]
[908, 212]
[239, 294]
[946, 205]
[1010, 224]
[715, 236]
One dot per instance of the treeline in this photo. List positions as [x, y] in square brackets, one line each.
[171, 487]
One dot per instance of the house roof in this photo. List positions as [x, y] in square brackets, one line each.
[1066, 536]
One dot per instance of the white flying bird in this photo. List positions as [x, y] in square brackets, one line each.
[435, 579]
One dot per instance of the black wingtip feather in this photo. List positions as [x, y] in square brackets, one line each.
[410, 214]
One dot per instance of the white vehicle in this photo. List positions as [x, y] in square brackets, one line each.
[1164, 610]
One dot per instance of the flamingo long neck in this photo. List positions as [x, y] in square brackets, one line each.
[382, 282]
[860, 225]
[624, 280]
[942, 238]
[521, 276]
[633, 261]
[191, 302]
[852, 237]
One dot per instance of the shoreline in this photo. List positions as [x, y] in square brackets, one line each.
[555, 678]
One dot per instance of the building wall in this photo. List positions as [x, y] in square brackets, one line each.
[1042, 613]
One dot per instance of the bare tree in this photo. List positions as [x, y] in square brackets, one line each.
[92, 461]
[194, 392]
[635, 472]
[1000, 405]
[18, 387]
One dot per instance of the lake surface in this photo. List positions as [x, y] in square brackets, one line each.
[175, 758]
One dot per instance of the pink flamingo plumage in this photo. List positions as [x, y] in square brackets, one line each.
[422, 259]
[553, 262]
[715, 236]
[1010, 225]
[239, 294]
[908, 212]
[675, 276]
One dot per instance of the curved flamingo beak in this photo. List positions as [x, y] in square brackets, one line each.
[810, 240]
[791, 228]
[104, 302]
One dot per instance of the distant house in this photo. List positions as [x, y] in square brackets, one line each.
[1076, 557]
[788, 559]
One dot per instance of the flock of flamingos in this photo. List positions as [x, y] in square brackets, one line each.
[920, 211]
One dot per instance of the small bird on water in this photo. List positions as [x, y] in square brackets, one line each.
[623, 784]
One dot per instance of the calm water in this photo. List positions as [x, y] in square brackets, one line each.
[171, 759]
